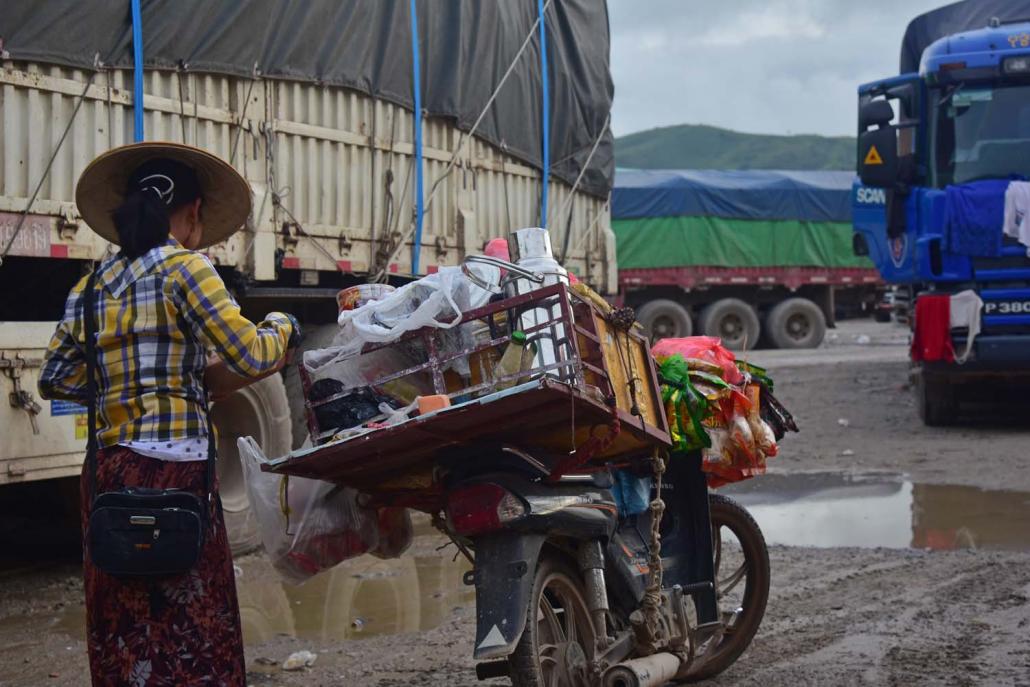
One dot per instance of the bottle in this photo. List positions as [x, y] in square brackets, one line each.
[531, 249]
[517, 357]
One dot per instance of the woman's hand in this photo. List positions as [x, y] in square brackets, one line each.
[222, 382]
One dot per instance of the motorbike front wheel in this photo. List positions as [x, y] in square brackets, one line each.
[557, 646]
[741, 583]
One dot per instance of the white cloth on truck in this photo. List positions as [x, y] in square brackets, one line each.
[965, 314]
[1017, 207]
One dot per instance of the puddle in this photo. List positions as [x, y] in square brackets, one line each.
[884, 510]
[360, 598]
[367, 596]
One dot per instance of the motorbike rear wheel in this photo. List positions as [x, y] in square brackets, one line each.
[750, 566]
[557, 646]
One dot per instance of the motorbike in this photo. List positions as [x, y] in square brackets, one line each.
[571, 592]
[575, 585]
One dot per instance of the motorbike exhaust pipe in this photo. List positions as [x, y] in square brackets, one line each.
[649, 671]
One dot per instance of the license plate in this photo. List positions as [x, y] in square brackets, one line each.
[1015, 307]
[32, 240]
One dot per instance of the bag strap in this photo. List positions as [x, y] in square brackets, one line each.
[89, 317]
[209, 473]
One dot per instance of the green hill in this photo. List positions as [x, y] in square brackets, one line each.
[692, 146]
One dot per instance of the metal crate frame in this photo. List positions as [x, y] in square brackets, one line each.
[355, 461]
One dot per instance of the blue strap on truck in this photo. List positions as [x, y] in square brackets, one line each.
[416, 67]
[545, 166]
[137, 72]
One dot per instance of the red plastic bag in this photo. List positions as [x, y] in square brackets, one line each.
[308, 525]
[707, 348]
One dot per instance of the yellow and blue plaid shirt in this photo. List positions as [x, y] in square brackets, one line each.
[157, 316]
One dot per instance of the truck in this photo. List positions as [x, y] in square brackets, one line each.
[749, 256]
[381, 139]
[937, 145]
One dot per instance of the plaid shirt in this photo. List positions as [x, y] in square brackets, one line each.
[157, 316]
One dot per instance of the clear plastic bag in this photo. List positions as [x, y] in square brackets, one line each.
[437, 300]
[742, 440]
[356, 373]
[765, 440]
[308, 525]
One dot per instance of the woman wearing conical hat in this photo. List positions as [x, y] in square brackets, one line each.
[160, 307]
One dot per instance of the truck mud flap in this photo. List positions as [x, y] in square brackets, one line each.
[504, 572]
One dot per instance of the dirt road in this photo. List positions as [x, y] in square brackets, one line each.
[896, 567]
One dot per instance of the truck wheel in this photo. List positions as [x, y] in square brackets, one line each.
[664, 319]
[733, 321]
[796, 323]
[317, 336]
[259, 410]
[935, 402]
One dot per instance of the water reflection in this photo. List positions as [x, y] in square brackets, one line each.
[418, 591]
[832, 509]
[359, 598]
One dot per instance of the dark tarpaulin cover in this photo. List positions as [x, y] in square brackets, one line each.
[753, 194]
[466, 46]
[954, 18]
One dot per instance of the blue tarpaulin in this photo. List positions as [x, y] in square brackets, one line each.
[954, 18]
[752, 194]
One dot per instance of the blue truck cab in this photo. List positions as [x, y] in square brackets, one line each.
[963, 118]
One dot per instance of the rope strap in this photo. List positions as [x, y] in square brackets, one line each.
[652, 601]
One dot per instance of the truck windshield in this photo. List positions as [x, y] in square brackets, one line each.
[981, 133]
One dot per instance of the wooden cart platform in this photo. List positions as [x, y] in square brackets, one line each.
[536, 417]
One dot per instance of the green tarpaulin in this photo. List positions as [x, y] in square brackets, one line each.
[716, 242]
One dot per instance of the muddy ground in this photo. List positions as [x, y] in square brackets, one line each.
[948, 604]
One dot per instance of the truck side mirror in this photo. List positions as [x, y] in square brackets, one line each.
[878, 157]
[875, 113]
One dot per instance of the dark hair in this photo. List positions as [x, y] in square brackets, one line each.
[156, 189]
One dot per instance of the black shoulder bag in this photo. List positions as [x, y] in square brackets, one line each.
[138, 531]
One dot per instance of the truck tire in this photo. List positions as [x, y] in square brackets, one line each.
[664, 319]
[935, 402]
[259, 410]
[796, 323]
[733, 321]
[316, 336]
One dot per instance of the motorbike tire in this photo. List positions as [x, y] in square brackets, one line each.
[725, 512]
[553, 574]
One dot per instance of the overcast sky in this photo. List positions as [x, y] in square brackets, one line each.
[761, 66]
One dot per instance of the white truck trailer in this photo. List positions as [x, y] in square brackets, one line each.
[314, 103]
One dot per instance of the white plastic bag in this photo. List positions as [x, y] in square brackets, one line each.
[437, 300]
[307, 525]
